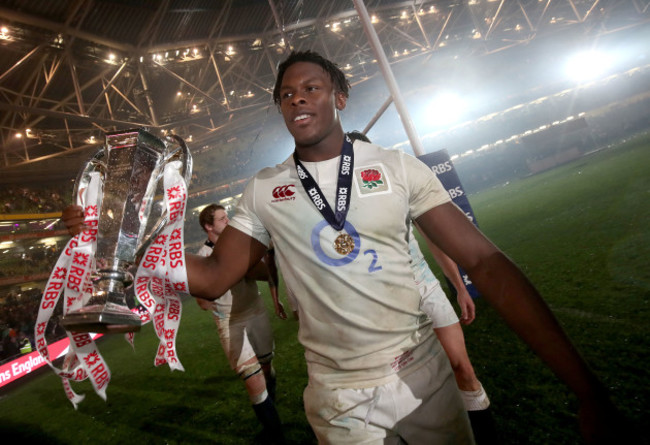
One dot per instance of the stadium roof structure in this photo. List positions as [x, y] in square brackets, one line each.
[72, 70]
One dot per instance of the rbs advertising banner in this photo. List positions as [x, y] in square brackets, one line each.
[441, 165]
[23, 365]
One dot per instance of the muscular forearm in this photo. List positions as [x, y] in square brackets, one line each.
[233, 255]
[204, 277]
[449, 268]
[508, 290]
[259, 272]
[521, 306]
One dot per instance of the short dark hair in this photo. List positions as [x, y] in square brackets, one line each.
[207, 214]
[339, 80]
[356, 135]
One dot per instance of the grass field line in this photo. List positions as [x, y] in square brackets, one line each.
[592, 316]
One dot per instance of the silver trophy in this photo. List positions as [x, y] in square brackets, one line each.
[131, 215]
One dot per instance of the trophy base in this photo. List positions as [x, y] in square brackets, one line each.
[104, 319]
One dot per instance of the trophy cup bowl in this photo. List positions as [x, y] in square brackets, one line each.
[131, 166]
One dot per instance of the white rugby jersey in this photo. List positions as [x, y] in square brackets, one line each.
[434, 301]
[360, 321]
[247, 301]
[424, 277]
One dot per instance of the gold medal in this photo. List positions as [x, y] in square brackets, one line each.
[344, 244]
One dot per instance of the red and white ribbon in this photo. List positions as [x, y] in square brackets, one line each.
[161, 281]
[71, 277]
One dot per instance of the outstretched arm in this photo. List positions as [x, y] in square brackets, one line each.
[206, 305]
[266, 270]
[508, 290]
[234, 254]
[209, 277]
[450, 269]
[274, 281]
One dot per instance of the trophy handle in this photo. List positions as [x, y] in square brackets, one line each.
[176, 150]
[179, 152]
[95, 164]
[186, 172]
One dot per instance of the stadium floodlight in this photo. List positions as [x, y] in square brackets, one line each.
[588, 65]
[445, 108]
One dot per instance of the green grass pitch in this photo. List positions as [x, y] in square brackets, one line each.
[579, 231]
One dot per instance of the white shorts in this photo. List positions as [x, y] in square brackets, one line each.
[437, 306]
[423, 407]
[244, 339]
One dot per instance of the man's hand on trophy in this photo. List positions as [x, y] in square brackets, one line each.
[73, 218]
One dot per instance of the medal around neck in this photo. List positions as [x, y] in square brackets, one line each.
[131, 167]
[344, 243]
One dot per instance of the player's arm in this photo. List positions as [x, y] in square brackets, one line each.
[259, 272]
[233, 255]
[206, 305]
[508, 290]
[274, 281]
[266, 270]
[450, 269]
[209, 277]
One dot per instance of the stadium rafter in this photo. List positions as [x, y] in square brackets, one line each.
[70, 71]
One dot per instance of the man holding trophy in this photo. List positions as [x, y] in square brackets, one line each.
[376, 370]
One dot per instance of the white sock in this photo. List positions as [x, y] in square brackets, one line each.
[475, 400]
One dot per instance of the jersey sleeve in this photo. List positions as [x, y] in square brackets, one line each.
[425, 189]
[246, 219]
[204, 251]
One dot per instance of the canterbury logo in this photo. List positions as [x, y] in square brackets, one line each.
[283, 191]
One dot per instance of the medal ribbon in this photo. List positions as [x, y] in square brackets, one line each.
[343, 187]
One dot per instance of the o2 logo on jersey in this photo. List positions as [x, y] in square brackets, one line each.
[325, 258]
[342, 261]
